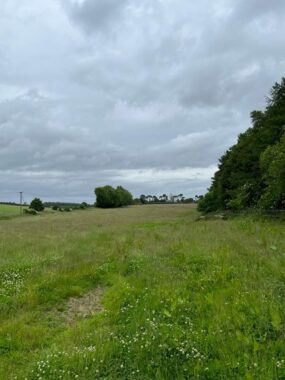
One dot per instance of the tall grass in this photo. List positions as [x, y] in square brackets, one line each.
[7, 211]
[182, 299]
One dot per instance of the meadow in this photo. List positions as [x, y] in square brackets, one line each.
[7, 211]
[144, 292]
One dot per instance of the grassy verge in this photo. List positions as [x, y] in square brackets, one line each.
[182, 299]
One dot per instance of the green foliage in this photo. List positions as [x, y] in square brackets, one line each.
[37, 205]
[124, 197]
[244, 179]
[108, 197]
[83, 205]
[30, 211]
[208, 203]
[273, 167]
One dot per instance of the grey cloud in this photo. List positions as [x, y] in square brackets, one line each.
[137, 93]
[246, 10]
[96, 14]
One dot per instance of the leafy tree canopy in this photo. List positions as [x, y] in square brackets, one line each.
[37, 205]
[108, 197]
[251, 173]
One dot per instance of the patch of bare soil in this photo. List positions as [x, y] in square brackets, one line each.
[85, 306]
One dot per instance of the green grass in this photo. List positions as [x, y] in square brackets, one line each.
[182, 299]
[9, 210]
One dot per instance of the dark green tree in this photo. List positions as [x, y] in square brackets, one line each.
[37, 205]
[241, 181]
[124, 197]
[108, 197]
[83, 206]
[273, 167]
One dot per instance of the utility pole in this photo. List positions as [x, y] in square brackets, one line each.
[21, 201]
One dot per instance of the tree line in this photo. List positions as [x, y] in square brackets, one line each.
[109, 197]
[251, 174]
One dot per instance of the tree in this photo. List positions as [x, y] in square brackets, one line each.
[143, 199]
[108, 197]
[124, 197]
[83, 206]
[149, 198]
[208, 202]
[244, 174]
[189, 200]
[165, 197]
[37, 205]
[180, 197]
[272, 163]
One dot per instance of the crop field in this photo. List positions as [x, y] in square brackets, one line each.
[144, 292]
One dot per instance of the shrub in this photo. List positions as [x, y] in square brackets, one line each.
[30, 211]
[208, 203]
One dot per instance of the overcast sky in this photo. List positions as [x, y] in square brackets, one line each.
[141, 93]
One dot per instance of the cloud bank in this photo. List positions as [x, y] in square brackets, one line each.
[146, 94]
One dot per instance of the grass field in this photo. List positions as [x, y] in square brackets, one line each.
[146, 292]
[8, 210]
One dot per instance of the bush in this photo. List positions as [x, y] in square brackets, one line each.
[30, 211]
[208, 203]
[83, 206]
[55, 207]
[37, 205]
